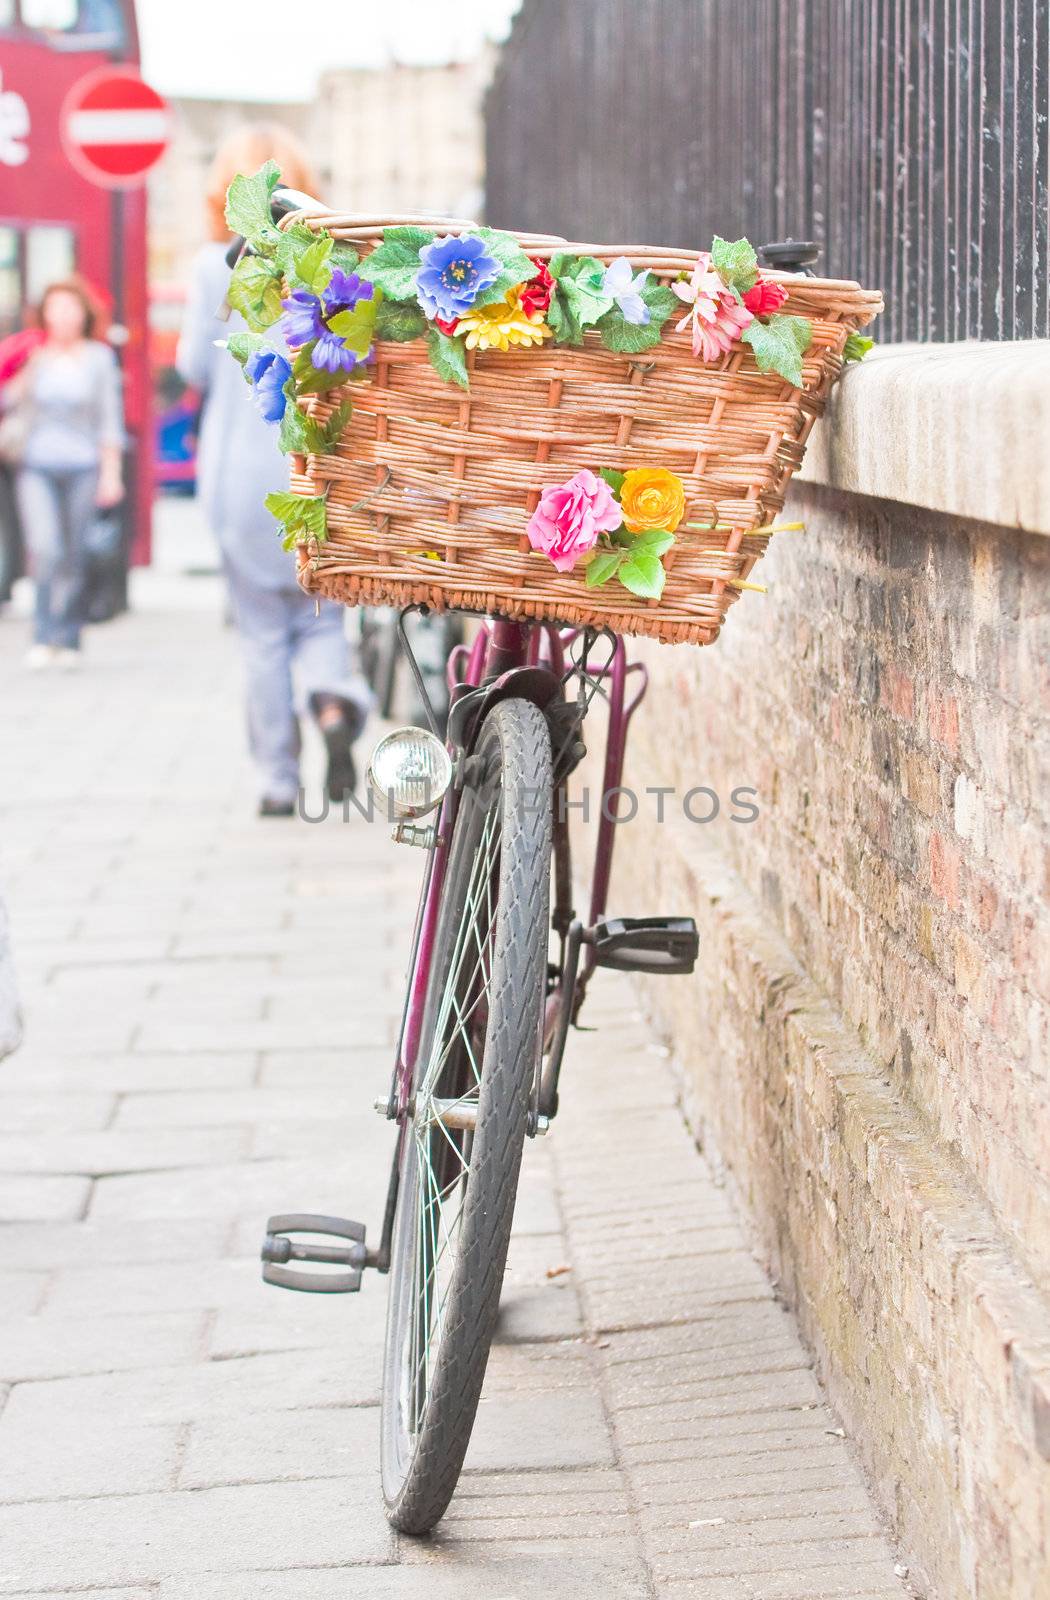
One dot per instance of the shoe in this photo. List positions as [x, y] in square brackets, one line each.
[341, 777]
[68, 660]
[340, 722]
[276, 808]
[39, 656]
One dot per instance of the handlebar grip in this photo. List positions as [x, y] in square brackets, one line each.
[233, 253]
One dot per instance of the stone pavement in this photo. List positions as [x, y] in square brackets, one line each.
[211, 1002]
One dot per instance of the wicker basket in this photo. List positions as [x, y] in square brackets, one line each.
[431, 487]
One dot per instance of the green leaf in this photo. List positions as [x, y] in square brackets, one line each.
[630, 337]
[344, 256]
[582, 286]
[242, 345]
[856, 347]
[394, 264]
[563, 321]
[735, 262]
[448, 357]
[293, 437]
[613, 478]
[248, 207]
[643, 575]
[652, 541]
[627, 337]
[313, 267]
[333, 428]
[255, 291]
[779, 345]
[400, 322]
[356, 328]
[302, 516]
[314, 380]
[517, 266]
[601, 567]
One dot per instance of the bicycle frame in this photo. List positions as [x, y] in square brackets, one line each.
[521, 659]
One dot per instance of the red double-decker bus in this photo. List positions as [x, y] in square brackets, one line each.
[54, 221]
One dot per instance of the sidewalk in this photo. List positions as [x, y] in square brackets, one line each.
[211, 1002]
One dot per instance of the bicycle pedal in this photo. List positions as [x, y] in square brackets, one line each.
[644, 944]
[279, 1247]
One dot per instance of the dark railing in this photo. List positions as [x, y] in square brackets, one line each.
[909, 138]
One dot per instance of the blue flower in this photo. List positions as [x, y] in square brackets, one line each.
[330, 354]
[268, 372]
[622, 286]
[302, 318]
[344, 290]
[452, 274]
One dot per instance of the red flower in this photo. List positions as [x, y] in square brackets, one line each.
[446, 327]
[536, 294]
[765, 298]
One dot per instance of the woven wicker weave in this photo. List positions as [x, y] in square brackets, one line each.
[431, 487]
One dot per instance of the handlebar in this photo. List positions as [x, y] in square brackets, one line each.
[282, 201]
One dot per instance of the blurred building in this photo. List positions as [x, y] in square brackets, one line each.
[383, 139]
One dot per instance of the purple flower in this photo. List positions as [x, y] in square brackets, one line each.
[330, 354]
[344, 290]
[302, 318]
[268, 372]
[452, 274]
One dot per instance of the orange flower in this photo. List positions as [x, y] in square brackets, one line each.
[652, 497]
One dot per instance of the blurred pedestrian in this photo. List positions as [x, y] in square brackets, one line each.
[284, 635]
[66, 406]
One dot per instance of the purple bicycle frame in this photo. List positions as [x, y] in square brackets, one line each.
[498, 648]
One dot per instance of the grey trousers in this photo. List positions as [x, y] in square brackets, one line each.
[56, 509]
[292, 650]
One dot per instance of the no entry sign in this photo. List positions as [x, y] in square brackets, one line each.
[114, 127]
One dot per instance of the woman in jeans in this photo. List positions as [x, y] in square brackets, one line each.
[296, 654]
[70, 392]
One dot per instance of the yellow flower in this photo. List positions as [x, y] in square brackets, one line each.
[503, 325]
[652, 497]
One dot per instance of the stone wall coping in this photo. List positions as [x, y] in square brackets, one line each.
[962, 428]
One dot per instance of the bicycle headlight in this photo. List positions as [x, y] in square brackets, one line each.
[409, 772]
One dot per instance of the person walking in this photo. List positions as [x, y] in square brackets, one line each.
[71, 438]
[296, 653]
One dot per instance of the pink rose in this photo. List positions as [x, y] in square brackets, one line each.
[568, 519]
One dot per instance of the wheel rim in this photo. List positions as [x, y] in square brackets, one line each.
[439, 1137]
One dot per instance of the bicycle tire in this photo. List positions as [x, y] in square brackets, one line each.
[430, 1398]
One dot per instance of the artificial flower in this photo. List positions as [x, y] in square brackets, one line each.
[302, 320]
[447, 328]
[503, 325]
[715, 314]
[571, 516]
[765, 298]
[331, 353]
[452, 273]
[344, 290]
[268, 371]
[621, 285]
[536, 294]
[652, 497]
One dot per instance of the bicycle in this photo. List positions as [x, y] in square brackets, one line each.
[500, 965]
[486, 1018]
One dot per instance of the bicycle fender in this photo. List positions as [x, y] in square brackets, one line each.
[468, 712]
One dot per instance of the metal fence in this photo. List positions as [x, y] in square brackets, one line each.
[909, 138]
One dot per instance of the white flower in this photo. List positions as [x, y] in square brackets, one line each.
[626, 290]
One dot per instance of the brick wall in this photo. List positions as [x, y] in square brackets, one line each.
[864, 1051]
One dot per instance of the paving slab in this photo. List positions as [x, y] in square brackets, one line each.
[142, 1538]
[57, 1344]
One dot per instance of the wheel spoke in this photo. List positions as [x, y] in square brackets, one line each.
[442, 1165]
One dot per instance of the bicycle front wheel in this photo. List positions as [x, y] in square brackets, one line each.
[460, 1149]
